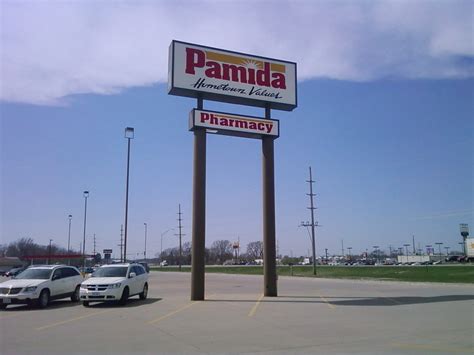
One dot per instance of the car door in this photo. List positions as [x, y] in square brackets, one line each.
[70, 279]
[135, 282]
[58, 283]
[141, 277]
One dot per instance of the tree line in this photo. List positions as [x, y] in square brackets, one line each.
[220, 252]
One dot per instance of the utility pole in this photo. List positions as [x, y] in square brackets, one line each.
[414, 250]
[121, 243]
[312, 208]
[180, 234]
[342, 247]
[94, 244]
[326, 255]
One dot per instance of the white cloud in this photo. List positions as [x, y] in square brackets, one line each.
[50, 50]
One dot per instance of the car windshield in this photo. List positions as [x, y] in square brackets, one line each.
[110, 272]
[34, 274]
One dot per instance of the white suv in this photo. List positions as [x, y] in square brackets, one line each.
[115, 282]
[37, 285]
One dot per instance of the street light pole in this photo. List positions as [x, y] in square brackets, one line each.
[406, 249]
[439, 248]
[69, 240]
[376, 247]
[144, 253]
[86, 195]
[49, 254]
[129, 134]
[447, 250]
[350, 256]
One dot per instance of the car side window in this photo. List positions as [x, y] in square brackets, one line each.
[57, 274]
[138, 270]
[69, 272]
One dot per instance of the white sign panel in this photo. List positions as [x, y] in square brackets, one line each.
[236, 125]
[219, 75]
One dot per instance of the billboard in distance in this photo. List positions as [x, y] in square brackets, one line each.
[220, 75]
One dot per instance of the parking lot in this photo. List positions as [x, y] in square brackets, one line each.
[310, 316]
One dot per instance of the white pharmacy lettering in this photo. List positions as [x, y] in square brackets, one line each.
[234, 122]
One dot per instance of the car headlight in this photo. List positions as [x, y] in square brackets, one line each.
[84, 286]
[30, 289]
[117, 285]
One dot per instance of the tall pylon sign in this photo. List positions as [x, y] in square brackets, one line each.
[207, 73]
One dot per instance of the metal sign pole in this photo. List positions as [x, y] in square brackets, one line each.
[199, 214]
[269, 256]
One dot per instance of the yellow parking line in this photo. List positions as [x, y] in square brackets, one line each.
[254, 308]
[176, 311]
[172, 313]
[327, 302]
[72, 320]
[432, 348]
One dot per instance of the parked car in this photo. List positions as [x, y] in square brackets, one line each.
[115, 282]
[38, 285]
[14, 271]
[164, 263]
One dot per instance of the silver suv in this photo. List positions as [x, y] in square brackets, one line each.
[37, 285]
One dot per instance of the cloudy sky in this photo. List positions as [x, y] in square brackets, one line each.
[52, 49]
[385, 118]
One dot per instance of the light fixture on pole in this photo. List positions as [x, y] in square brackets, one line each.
[144, 253]
[86, 196]
[439, 248]
[129, 134]
[69, 239]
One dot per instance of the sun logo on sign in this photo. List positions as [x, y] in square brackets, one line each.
[252, 64]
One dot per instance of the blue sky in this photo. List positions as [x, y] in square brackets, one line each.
[384, 117]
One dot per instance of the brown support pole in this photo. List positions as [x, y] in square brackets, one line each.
[199, 214]
[269, 252]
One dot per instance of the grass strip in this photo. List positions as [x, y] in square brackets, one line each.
[436, 273]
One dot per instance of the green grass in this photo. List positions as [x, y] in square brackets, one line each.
[451, 274]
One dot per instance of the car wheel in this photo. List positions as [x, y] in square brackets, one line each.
[144, 294]
[85, 303]
[3, 306]
[124, 298]
[75, 295]
[43, 299]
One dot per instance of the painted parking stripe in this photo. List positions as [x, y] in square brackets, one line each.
[254, 308]
[327, 302]
[72, 320]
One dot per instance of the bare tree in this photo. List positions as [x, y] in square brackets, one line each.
[255, 250]
[221, 250]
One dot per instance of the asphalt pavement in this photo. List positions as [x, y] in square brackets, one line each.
[309, 316]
